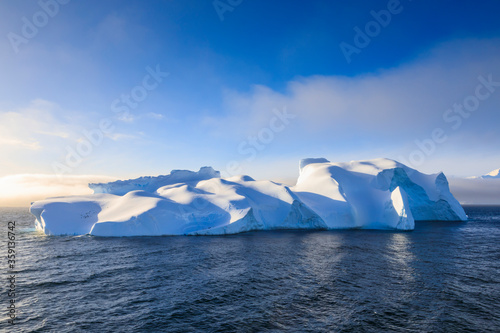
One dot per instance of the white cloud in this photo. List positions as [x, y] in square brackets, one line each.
[121, 136]
[401, 102]
[154, 115]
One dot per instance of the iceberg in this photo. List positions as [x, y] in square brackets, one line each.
[495, 174]
[374, 194]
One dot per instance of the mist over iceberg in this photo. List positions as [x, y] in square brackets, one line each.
[372, 194]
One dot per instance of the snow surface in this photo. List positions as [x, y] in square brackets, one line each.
[375, 194]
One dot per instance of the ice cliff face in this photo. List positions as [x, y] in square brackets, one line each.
[376, 194]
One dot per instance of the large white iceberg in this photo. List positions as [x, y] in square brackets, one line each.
[375, 194]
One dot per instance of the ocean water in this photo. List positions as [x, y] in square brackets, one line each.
[441, 277]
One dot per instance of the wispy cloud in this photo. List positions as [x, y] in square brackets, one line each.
[122, 136]
[23, 144]
[154, 115]
[33, 126]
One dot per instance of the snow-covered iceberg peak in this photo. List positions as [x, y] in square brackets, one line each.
[362, 191]
[375, 194]
[306, 161]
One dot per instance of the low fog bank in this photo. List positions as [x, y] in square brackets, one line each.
[476, 191]
[22, 190]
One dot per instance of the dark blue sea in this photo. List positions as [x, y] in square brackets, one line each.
[441, 277]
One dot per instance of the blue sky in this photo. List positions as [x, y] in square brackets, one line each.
[231, 84]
